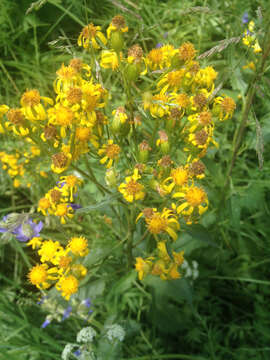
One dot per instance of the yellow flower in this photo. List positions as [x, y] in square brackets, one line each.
[178, 257]
[225, 107]
[69, 185]
[61, 116]
[43, 205]
[83, 134]
[173, 272]
[160, 222]
[60, 162]
[172, 81]
[186, 52]
[155, 59]
[118, 24]
[89, 36]
[35, 242]
[159, 105]
[206, 77]
[68, 285]
[3, 109]
[132, 190]
[49, 251]
[78, 246]
[160, 269]
[38, 276]
[194, 199]
[143, 267]
[63, 211]
[111, 152]
[250, 66]
[93, 97]
[162, 251]
[109, 60]
[17, 122]
[178, 178]
[31, 105]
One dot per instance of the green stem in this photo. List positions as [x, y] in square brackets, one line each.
[249, 102]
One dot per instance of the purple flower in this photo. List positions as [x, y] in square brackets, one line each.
[20, 225]
[165, 35]
[87, 303]
[159, 45]
[28, 230]
[67, 313]
[45, 323]
[60, 184]
[77, 352]
[245, 18]
[75, 206]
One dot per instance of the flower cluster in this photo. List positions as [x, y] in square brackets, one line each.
[163, 265]
[250, 38]
[59, 201]
[59, 265]
[144, 148]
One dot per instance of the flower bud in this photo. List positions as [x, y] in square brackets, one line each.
[111, 177]
[132, 72]
[144, 149]
[117, 41]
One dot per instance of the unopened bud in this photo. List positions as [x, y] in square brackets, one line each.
[111, 177]
[117, 41]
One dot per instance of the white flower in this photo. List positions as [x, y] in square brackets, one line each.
[195, 274]
[67, 350]
[115, 331]
[86, 335]
[188, 272]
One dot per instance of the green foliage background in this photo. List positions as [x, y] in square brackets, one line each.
[225, 314]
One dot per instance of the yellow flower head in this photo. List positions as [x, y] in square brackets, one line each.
[160, 105]
[187, 52]
[143, 267]
[131, 189]
[118, 24]
[172, 81]
[110, 151]
[68, 186]
[178, 178]
[109, 60]
[206, 77]
[83, 134]
[68, 286]
[160, 222]
[35, 242]
[38, 276]
[30, 98]
[63, 210]
[225, 107]
[155, 59]
[31, 105]
[49, 250]
[90, 36]
[43, 205]
[60, 162]
[194, 199]
[78, 246]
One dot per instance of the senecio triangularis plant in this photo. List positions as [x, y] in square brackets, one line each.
[150, 150]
